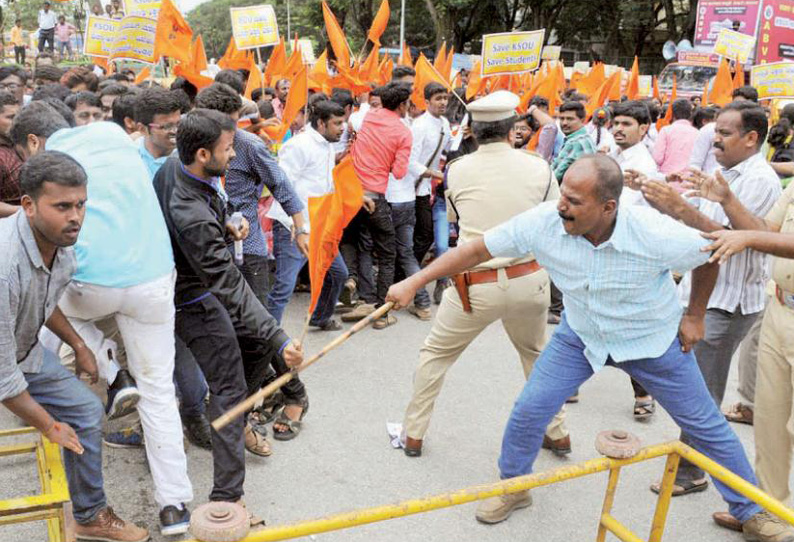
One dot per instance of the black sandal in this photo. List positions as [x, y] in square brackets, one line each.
[293, 426]
[266, 412]
[683, 488]
[644, 408]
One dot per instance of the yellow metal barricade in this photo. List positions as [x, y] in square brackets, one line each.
[53, 503]
[608, 523]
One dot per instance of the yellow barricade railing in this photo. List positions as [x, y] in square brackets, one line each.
[673, 450]
[53, 504]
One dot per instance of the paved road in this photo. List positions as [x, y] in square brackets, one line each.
[343, 459]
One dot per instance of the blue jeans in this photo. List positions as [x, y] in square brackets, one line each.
[403, 216]
[675, 381]
[440, 226]
[289, 262]
[69, 401]
[190, 382]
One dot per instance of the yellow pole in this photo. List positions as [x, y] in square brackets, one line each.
[736, 483]
[609, 499]
[445, 500]
[618, 529]
[665, 494]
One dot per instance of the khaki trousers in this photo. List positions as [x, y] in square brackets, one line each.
[521, 304]
[774, 408]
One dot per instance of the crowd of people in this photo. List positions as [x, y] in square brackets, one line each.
[646, 249]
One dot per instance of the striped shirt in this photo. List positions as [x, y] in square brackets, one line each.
[576, 144]
[742, 280]
[620, 297]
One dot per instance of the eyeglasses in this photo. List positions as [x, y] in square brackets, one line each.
[170, 127]
[10, 86]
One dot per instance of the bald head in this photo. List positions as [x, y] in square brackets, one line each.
[603, 171]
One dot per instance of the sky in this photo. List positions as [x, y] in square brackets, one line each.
[187, 5]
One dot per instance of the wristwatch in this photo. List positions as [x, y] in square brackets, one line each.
[301, 231]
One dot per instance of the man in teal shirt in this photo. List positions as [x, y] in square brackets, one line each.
[157, 114]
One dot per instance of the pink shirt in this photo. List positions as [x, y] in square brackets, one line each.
[382, 146]
[674, 145]
[63, 31]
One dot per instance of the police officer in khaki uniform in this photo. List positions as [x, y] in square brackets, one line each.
[485, 189]
[774, 390]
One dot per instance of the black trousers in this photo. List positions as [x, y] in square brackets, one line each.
[256, 271]
[380, 231]
[234, 364]
[423, 230]
[19, 54]
[47, 36]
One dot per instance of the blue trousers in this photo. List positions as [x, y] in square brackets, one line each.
[674, 379]
[440, 226]
[68, 400]
[289, 262]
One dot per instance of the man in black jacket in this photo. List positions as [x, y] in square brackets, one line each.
[215, 305]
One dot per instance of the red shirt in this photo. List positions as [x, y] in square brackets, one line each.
[10, 165]
[382, 146]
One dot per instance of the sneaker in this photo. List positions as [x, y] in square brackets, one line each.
[108, 527]
[385, 321]
[359, 313]
[197, 429]
[129, 437]
[423, 313]
[348, 292]
[331, 325]
[123, 396]
[497, 509]
[174, 520]
[766, 527]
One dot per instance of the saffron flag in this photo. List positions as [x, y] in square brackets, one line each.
[475, 81]
[337, 38]
[447, 71]
[379, 23]
[328, 216]
[601, 96]
[425, 73]
[441, 58]
[668, 116]
[656, 88]
[590, 83]
[405, 57]
[633, 87]
[143, 75]
[319, 76]
[198, 57]
[233, 58]
[738, 76]
[196, 79]
[369, 70]
[276, 63]
[296, 100]
[173, 35]
[722, 92]
[255, 79]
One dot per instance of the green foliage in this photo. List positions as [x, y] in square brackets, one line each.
[28, 11]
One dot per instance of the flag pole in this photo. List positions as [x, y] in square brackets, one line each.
[259, 67]
[402, 29]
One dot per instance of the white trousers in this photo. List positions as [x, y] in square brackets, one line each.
[145, 317]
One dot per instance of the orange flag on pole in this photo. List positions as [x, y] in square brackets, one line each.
[198, 57]
[722, 92]
[738, 76]
[656, 88]
[296, 99]
[233, 58]
[668, 116]
[441, 58]
[379, 23]
[405, 56]
[337, 38]
[369, 71]
[590, 83]
[255, 79]
[704, 98]
[425, 73]
[385, 70]
[143, 75]
[447, 71]
[196, 79]
[319, 76]
[475, 81]
[633, 87]
[173, 35]
[328, 216]
[277, 61]
[601, 96]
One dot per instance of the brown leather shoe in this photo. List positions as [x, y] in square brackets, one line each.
[108, 527]
[413, 447]
[726, 520]
[739, 413]
[560, 447]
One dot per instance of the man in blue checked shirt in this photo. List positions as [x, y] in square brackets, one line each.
[614, 267]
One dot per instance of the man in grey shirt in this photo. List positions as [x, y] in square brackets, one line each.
[37, 264]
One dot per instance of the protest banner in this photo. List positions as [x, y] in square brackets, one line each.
[254, 26]
[697, 58]
[511, 52]
[734, 45]
[645, 86]
[135, 39]
[773, 80]
[776, 36]
[142, 8]
[551, 52]
[714, 15]
[100, 33]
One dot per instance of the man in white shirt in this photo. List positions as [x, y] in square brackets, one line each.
[47, 21]
[308, 159]
[629, 126]
[738, 296]
[431, 138]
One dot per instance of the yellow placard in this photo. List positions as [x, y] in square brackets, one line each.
[511, 52]
[135, 39]
[551, 52]
[775, 80]
[100, 33]
[254, 26]
[142, 8]
[645, 86]
[734, 45]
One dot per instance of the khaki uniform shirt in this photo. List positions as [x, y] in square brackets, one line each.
[491, 186]
[782, 214]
